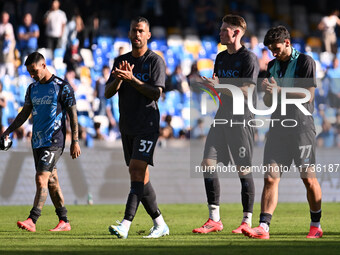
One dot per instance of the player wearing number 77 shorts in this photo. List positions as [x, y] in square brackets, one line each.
[296, 140]
[139, 79]
[47, 99]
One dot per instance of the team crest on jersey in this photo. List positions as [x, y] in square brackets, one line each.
[51, 91]
[237, 63]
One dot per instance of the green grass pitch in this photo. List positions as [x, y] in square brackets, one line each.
[90, 234]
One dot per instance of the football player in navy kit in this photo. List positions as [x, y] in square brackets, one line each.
[47, 99]
[226, 142]
[290, 68]
[139, 79]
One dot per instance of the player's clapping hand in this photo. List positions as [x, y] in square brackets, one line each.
[124, 72]
[121, 67]
[75, 150]
[211, 81]
[269, 85]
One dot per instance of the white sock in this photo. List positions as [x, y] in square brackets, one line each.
[158, 221]
[315, 224]
[126, 223]
[214, 212]
[264, 226]
[247, 216]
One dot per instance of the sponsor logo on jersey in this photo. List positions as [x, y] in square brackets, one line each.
[228, 73]
[142, 76]
[42, 100]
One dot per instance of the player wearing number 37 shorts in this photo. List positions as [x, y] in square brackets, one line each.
[139, 78]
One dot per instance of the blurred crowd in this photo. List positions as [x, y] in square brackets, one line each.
[81, 39]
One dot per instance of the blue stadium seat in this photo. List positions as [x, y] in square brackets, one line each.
[105, 43]
[59, 53]
[158, 44]
[22, 70]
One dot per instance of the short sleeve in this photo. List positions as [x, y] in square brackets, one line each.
[215, 64]
[250, 70]
[67, 96]
[21, 30]
[158, 72]
[306, 71]
[35, 28]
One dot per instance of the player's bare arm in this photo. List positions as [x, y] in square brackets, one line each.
[269, 85]
[113, 86]
[302, 95]
[214, 81]
[75, 148]
[19, 120]
[146, 89]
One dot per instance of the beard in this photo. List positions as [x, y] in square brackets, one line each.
[137, 45]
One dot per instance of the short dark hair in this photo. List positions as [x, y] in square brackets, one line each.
[139, 19]
[235, 20]
[34, 57]
[276, 35]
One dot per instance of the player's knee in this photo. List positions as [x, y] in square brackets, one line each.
[52, 181]
[137, 173]
[137, 170]
[310, 182]
[208, 162]
[40, 180]
[271, 181]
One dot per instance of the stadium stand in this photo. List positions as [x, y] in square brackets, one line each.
[193, 44]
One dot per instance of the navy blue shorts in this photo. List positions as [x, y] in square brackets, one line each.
[46, 158]
[139, 147]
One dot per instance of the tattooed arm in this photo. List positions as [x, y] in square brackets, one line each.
[19, 120]
[75, 148]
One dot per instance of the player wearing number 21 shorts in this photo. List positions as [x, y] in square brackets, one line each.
[47, 99]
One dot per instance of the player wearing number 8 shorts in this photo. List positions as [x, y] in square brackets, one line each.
[290, 68]
[47, 99]
[232, 141]
[139, 79]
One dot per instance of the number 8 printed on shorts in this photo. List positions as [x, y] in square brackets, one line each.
[242, 152]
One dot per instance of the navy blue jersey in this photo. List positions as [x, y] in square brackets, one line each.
[49, 102]
[304, 77]
[236, 69]
[138, 113]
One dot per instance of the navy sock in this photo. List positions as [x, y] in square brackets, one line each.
[135, 196]
[315, 216]
[35, 213]
[149, 201]
[62, 213]
[247, 192]
[265, 218]
[212, 188]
